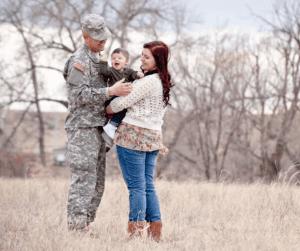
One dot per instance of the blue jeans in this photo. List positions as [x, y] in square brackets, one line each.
[138, 169]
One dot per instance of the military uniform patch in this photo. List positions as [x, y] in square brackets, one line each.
[80, 67]
[76, 76]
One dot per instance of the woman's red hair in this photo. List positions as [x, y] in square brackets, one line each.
[160, 52]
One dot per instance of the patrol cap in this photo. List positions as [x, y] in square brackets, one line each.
[94, 25]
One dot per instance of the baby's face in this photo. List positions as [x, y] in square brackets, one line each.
[118, 61]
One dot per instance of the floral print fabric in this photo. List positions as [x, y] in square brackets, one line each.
[138, 138]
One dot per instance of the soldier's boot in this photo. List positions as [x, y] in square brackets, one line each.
[154, 231]
[107, 147]
[135, 229]
[86, 228]
[81, 230]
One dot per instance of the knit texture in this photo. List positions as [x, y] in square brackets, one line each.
[145, 103]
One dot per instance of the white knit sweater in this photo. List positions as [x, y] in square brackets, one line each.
[145, 107]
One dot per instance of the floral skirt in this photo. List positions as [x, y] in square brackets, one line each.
[138, 138]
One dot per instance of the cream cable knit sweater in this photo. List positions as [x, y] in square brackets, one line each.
[145, 107]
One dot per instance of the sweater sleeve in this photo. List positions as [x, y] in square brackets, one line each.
[140, 89]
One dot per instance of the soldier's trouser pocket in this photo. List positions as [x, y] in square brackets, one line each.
[78, 162]
[83, 176]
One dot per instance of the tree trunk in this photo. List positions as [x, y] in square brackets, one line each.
[36, 93]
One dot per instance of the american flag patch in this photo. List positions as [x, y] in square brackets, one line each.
[79, 67]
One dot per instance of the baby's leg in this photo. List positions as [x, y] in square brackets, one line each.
[118, 117]
[109, 130]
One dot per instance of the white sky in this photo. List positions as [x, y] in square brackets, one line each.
[233, 14]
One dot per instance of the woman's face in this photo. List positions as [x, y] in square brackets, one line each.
[148, 61]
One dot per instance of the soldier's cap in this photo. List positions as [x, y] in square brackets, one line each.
[94, 25]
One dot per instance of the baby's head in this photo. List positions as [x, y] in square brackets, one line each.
[119, 58]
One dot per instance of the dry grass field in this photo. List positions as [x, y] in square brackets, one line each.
[196, 216]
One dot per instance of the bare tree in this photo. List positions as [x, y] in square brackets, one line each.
[277, 89]
[16, 16]
[210, 98]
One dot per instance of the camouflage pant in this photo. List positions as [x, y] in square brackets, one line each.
[87, 167]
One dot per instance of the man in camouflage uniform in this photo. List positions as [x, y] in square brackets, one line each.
[86, 116]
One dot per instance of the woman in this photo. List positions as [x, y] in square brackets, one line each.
[139, 137]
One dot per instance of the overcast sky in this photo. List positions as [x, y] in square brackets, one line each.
[234, 13]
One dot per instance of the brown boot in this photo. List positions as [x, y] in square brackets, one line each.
[135, 228]
[155, 230]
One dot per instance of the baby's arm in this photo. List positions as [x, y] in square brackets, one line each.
[103, 57]
[134, 75]
[104, 69]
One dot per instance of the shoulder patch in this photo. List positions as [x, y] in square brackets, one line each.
[79, 67]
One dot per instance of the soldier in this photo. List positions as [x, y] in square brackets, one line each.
[86, 116]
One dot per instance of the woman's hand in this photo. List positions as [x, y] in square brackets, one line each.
[109, 110]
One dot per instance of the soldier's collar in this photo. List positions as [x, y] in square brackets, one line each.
[91, 54]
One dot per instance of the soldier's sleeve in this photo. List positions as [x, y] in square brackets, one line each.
[65, 71]
[79, 85]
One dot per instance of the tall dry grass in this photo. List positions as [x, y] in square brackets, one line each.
[196, 216]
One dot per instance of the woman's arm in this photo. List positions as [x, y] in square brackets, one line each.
[109, 110]
[140, 89]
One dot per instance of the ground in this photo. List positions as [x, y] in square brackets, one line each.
[196, 216]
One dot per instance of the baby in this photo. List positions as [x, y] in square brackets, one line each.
[119, 59]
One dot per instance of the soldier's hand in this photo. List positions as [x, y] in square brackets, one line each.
[120, 88]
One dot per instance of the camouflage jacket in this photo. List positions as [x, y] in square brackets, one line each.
[87, 92]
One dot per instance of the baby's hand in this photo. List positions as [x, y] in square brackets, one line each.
[103, 57]
[140, 74]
